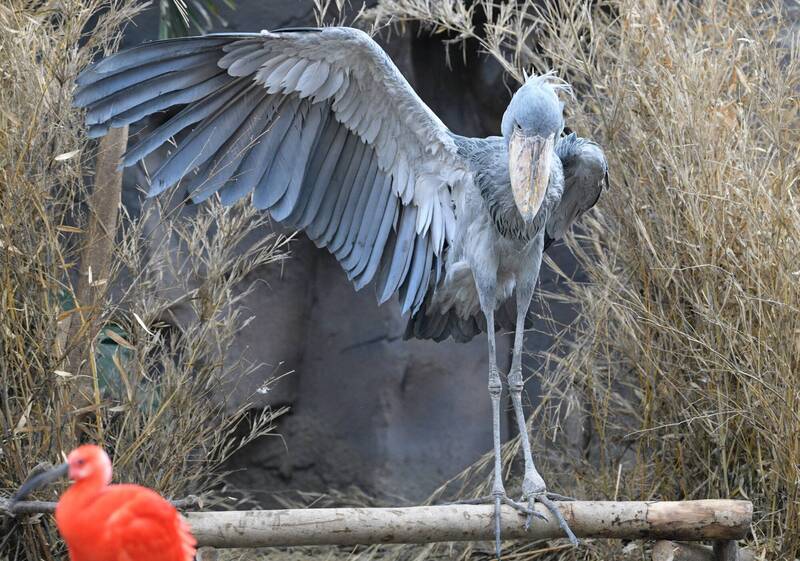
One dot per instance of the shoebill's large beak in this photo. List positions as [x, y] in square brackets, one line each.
[529, 160]
[37, 482]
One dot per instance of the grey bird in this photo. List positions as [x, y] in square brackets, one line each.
[321, 129]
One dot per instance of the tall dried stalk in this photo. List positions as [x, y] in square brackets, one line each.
[103, 206]
[687, 355]
[157, 393]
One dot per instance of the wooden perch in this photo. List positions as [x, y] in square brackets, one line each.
[49, 507]
[687, 520]
[97, 252]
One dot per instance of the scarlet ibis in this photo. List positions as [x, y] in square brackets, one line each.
[103, 522]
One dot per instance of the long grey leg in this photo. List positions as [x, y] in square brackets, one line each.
[485, 281]
[495, 391]
[533, 486]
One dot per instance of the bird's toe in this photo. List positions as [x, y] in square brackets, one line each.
[555, 511]
[497, 500]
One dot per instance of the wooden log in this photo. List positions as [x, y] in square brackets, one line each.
[103, 204]
[49, 507]
[666, 550]
[687, 520]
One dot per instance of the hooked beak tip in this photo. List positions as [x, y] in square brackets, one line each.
[37, 482]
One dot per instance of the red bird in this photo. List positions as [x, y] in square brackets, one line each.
[102, 522]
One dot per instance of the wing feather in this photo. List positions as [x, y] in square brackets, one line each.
[585, 176]
[338, 199]
[140, 524]
[374, 215]
[227, 159]
[259, 158]
[321, 128]
[275, 182]
[357, 216]
[322, 178]
[192, 114]
[343, 232]
[413, 282]
[377, 250]
[205, 140]
[398, 267]
[311, 128]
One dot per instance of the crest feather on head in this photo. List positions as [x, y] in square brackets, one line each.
[549, 78]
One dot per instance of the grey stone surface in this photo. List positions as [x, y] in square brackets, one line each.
[394, 418]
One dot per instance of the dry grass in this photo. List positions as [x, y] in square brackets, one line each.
[156, 399]
[686, 365]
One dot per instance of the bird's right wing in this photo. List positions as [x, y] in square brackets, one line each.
[585, 176]
[318, 124]
[143, 525]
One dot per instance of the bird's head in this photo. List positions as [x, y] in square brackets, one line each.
[531, 124]
[87, 462]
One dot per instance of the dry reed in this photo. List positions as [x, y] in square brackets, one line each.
[684, 367]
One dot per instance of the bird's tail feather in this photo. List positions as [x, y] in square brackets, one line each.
[431, 323]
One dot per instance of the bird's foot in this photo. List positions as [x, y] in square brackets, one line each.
[504, 499]
[547, 500]
[499, 499]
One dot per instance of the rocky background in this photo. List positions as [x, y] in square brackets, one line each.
[368, 410]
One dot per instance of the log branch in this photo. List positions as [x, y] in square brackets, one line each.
[688, 520]
[719, 520]
[97, 252]
[48, 507]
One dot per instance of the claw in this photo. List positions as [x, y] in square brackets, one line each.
[545, 500]
[557, 497]
[521, 508]
[529, 518]
[529, 511]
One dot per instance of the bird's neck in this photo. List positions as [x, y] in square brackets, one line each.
[76, 499]
[495, 185]
[74, 518]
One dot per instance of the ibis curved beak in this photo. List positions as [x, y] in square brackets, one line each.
[38, 482]
[529, 162]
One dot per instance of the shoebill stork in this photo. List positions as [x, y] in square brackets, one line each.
[320, 128]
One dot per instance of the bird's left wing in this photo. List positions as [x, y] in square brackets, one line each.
[318, 124]
[142, 525]
[585, 176]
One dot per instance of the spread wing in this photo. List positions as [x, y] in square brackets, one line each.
[142, 525]
[317, 125]
[585, 176]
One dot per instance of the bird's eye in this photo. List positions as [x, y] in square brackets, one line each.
[81, 461]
